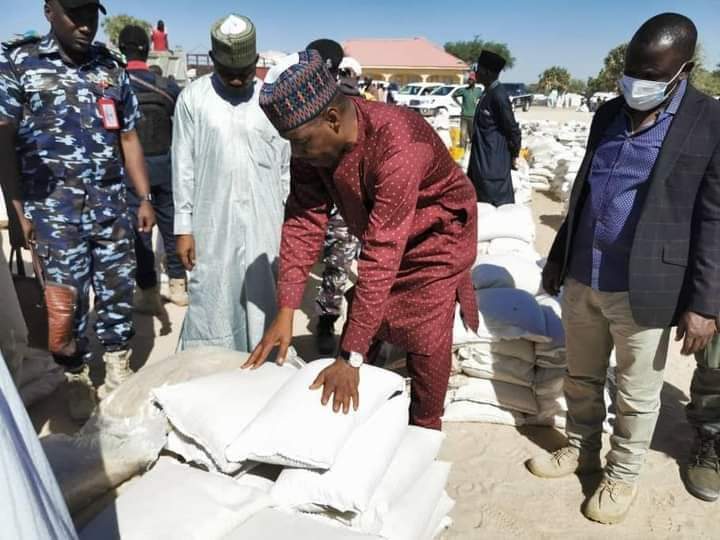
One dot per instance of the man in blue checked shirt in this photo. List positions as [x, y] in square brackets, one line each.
[67, 135]
[639, 253]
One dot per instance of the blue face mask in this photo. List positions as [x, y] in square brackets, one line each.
[642, 95]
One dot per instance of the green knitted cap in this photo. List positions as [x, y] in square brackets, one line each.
[234, 42]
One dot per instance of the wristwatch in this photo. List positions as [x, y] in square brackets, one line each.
[147, 197]
[354, 359]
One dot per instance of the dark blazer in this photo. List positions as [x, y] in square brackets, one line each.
[675, 257]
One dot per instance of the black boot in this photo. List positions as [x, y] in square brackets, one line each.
[703, 473]
[326, 334]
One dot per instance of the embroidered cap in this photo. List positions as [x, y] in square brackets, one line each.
[297, 90]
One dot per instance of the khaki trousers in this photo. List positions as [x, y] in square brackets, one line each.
[595, 322]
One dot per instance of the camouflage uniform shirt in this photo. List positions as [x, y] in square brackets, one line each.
[60, 133]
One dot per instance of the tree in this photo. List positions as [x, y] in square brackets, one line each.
[113, 25]
[554, 78]
[468, 51]
[612, 71]
[578, 86]
[706, 81]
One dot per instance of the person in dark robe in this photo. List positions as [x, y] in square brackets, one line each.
[496, 136]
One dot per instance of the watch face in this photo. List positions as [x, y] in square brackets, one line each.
[356, 359]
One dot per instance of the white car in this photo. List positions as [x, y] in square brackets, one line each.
[413, 91]
[444, 97]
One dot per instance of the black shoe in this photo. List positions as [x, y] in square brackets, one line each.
[703, 472]
[326, 334]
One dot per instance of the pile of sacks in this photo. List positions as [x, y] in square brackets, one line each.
[254, 454]
[522, 183]
[511, 370]
[555, 153]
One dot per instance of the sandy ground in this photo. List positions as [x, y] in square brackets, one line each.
[496, 496]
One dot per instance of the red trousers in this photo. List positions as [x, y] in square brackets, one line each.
[429, 374]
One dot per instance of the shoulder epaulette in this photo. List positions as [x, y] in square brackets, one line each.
[19, 42]
[112, 52]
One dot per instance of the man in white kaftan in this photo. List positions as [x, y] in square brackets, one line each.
[31, 503]
[231, 176]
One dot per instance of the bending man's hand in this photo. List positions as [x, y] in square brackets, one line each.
[278, 335]
[697, 331]
[340, 381]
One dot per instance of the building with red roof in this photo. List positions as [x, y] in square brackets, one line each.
[406, 60]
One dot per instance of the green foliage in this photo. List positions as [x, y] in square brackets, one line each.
[706, 81]
[612, 71]
[578, 86]
[113, 25]
[468, 51]
[554, 78]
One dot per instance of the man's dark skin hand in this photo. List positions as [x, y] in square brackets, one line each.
[696, 330]
[551, 279]
[185, 248]
[340, 381]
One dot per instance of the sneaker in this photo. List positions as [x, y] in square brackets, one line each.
[148, 301]
[117, 371]
[702, 478]
[611, 501]
[81, 394]
[178, 292]
[564, 462]
[326, 334]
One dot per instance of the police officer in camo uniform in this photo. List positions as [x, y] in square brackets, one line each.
[341, 247]
[67, 135]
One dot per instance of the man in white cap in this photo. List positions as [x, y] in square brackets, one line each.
[230, 181]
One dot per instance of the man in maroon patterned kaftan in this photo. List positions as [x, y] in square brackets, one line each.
[414, 211]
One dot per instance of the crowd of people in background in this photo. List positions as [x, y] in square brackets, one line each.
[252, 182]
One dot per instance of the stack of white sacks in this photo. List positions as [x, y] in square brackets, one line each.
[511, 371]
[365, 474]
[522, 183]
[556, 152]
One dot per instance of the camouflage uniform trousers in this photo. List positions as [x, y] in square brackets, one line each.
[703, 411]
[99, 252]
[341, 249]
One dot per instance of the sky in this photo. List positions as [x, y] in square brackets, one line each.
[573, 34]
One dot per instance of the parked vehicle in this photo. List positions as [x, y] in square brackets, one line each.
[444, 97]
[413, 91]
[519, 95]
